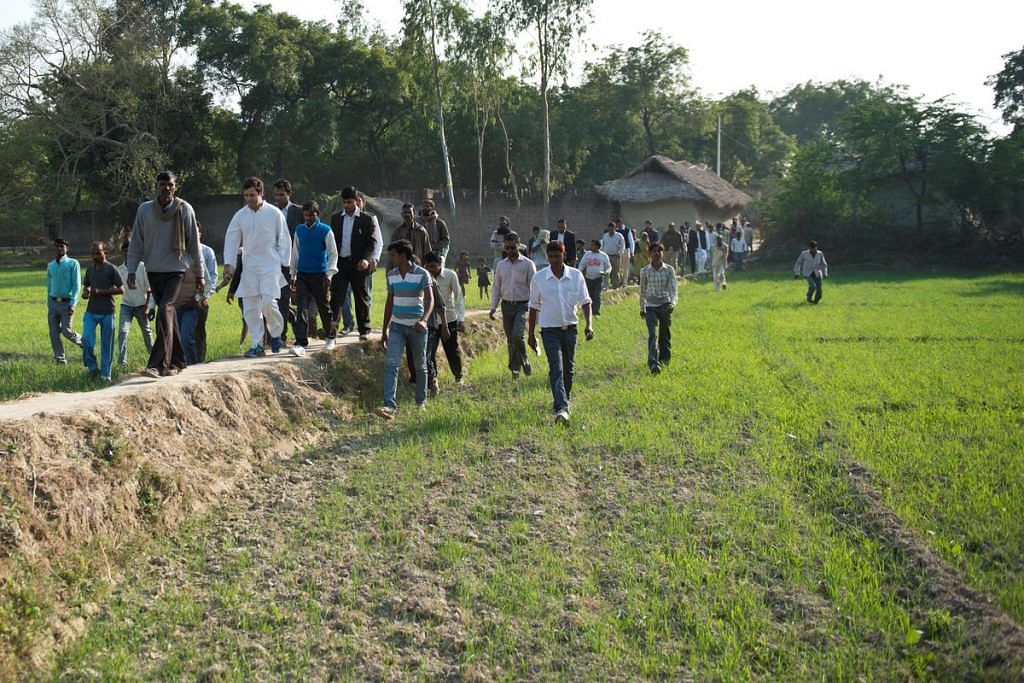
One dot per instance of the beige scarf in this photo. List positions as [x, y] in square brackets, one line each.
[172, 211]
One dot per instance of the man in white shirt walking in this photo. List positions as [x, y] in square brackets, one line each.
[512, 279]
[134, 307]
[739, 248]
[613, 244]
[811, 265]
[596, 266]
[259, 228]
[554, 295]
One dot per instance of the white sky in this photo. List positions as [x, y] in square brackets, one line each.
[938, 47]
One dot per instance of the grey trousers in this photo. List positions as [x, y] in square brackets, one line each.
[513, 318]
[127, 315]
[58, 316]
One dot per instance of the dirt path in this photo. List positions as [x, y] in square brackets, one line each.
[59, 404]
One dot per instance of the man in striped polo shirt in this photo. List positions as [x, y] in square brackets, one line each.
[409, 304]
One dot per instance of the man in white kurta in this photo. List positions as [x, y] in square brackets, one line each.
[262, 232]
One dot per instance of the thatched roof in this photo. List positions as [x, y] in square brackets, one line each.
[661, 178]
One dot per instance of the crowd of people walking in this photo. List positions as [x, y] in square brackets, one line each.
[283, 264]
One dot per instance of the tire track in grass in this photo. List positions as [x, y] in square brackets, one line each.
[933, 589]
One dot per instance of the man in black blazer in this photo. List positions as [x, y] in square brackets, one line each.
[569, 240]
[354, 235]
[293, 217]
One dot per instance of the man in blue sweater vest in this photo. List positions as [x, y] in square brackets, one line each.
[314, 263]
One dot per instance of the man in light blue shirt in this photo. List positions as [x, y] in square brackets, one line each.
[210, 268]
[63, 285]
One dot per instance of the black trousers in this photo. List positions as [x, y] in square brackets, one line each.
[309, 288]
[167, 349]
[204, 313]
[283, 303]
[451, 351]
[691, 256]
[348, 275]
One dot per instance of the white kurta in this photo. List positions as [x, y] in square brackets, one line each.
[266, 247]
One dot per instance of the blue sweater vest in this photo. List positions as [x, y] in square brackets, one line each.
[312, 247]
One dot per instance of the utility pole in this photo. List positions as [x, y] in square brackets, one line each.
[718, 169]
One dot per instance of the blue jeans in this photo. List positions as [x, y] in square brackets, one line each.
[188, 320]
[560, 348]
[400, 336]
[124, 325]
[814, 287]
[594, 290]
[659, 335]
[106, 323]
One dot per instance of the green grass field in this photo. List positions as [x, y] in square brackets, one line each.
[26, 363]
[715, 522]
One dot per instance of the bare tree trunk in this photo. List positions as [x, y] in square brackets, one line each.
[449, 186]
[545, 72]
[649, 132]
[508, 164]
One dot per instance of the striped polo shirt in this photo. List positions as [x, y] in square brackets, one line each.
[407, 306]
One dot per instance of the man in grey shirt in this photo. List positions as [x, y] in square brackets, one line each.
[164, 233]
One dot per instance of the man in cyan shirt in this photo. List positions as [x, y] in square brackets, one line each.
[409, 305]
[63, 285]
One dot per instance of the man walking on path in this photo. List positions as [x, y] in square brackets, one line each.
[627, 255]
[613, 244]
[719, 260]
[698, 246]
[203, 311]
[102, 283]
[674, 246]
[314, 263]
[811, 266]
[657, 301]
[596, 266]
[134, 306]
[437, 229]
[512, 279]
[354, 235]
[567, 238]
[293, 219]
[498, 240]
[165, 230]
[63, 285]
[554, 295]
[739, 248]
[450, 293]
[260, 230]
[414, 233]
[409, 305]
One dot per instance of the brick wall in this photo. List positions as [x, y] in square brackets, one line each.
[585, 211]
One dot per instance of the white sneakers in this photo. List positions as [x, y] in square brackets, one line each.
[562, 417]
[298, 351]
[329, 345]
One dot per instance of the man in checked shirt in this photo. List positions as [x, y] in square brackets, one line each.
[657, 301]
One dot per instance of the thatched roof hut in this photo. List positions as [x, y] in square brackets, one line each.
[661, 189]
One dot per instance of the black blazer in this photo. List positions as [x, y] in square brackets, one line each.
[293, 217]
[363, 242]
[570, 246]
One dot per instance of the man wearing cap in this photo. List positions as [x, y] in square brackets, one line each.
[63, 285]
[555, 293]
[165, 230]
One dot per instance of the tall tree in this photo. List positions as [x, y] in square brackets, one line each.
[648, 79]
[429, 27]
[811, 109]
[1009, 88]
[555, 25]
